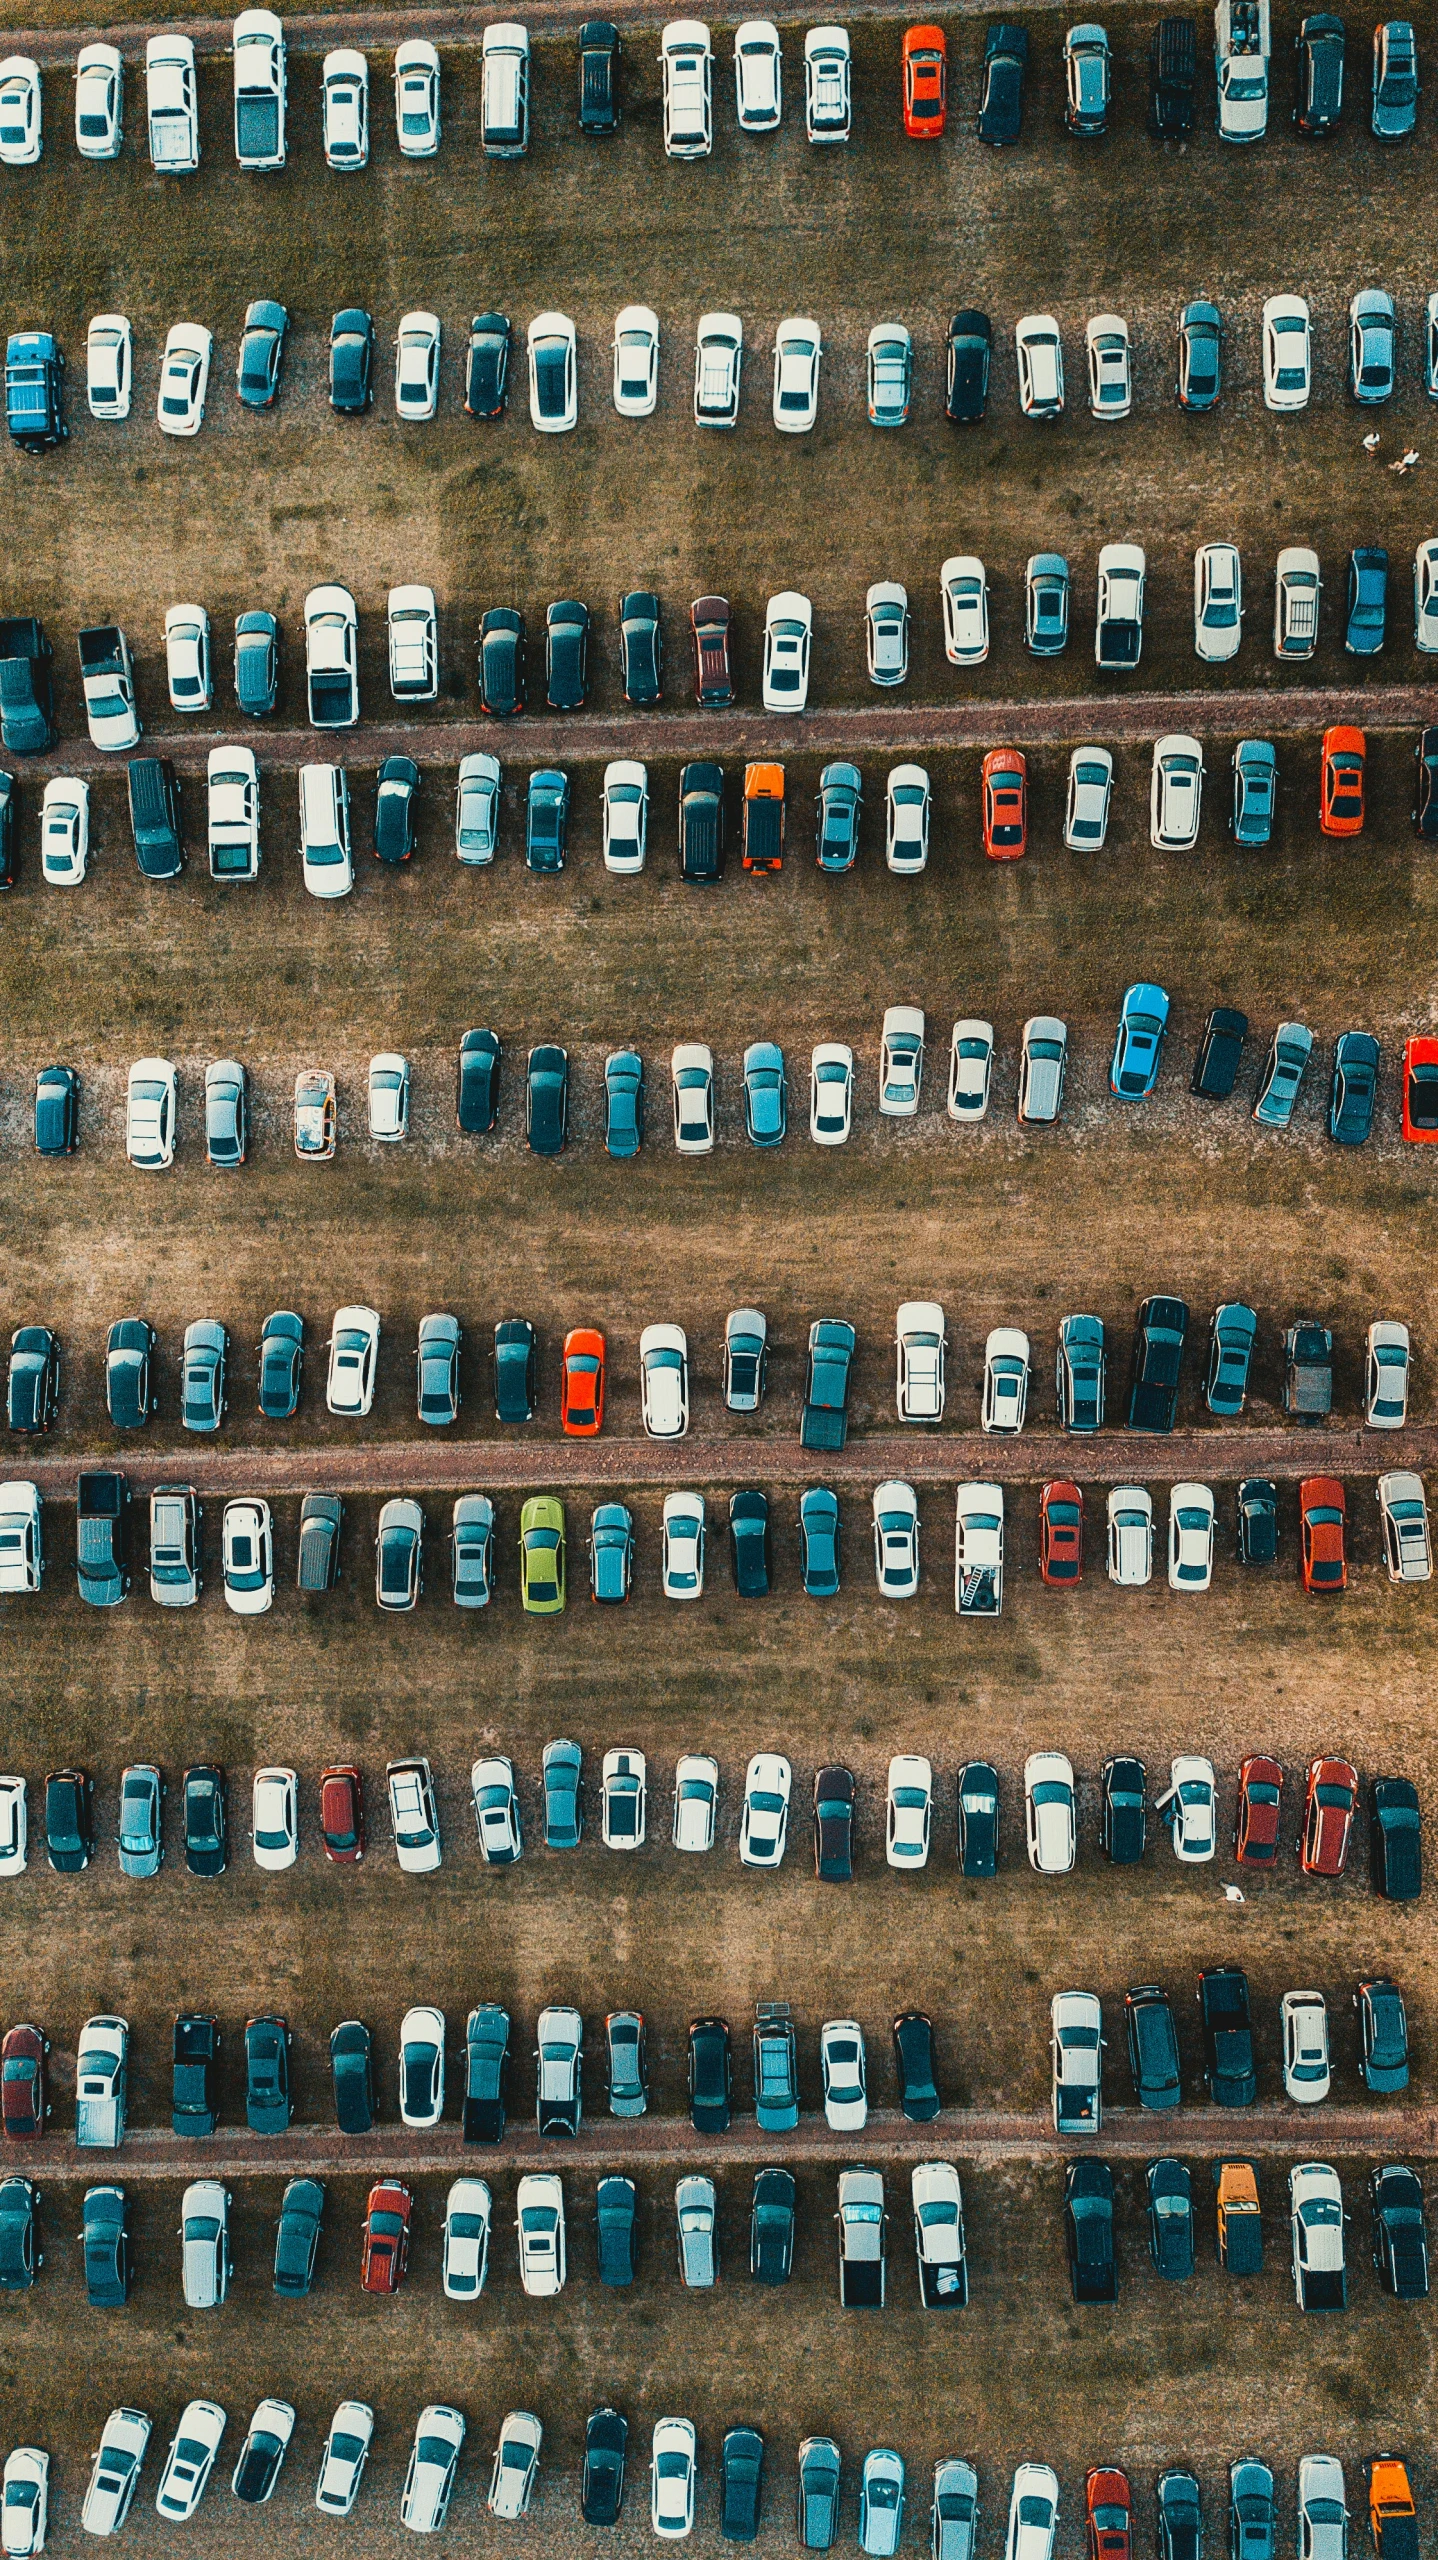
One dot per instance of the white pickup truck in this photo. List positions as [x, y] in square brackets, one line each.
[100, 2068]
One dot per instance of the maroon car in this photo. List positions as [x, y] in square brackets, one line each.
[386, 2237]
[1260, 1795]
[1327, 1817]
[709, 621]
[342, 1816]
[22, 2084]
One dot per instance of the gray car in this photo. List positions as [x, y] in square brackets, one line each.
[624, 2035]
[1372, 331]
[956, 2509]
[698, 2244]
[397, 1578]
[820, 2467]
[174, 1546]
[437, 1383]
[1046, 601]
[321, 1517]
[227, 1113]
[476, 815]
[472, 1551]
[1043, 1060]
[142, 1848]
[1283, 1069]
[202, 1375]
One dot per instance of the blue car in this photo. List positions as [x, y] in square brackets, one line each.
[141, 1844]
[1255, 791]
[1138, 1049]
[1367, 600]
[841, 796]
[1046, 618]
[563, 1810]
[546, 823]
[1231, 1338]
[611, 1551]
[1283, 1068]
[623, 1102]
[765, 1114]
[1354, 1089]
[819, 1542]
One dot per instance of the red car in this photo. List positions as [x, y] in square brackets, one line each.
[926, 61]
[1340, 790]
[342, 1816]
[386, 2237]
[1260, 1795]
[1061, 1532]
[22, 2084]
[1108, 2506]
[581, 1392]
[1420, 1090]
[1327, 1817]
[1322, 1512]
[1006, 804]
[709, 622]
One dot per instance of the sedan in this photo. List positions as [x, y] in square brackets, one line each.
[623, 1104]
[765, 1116]
[1307, 2071]
[1387, 1353]
[1004, 786]
[1192, 1516]
[1189, 1805]
[496, 1811]
[1287, 353]
[1372, 347]
[541, 1556]
[636, 361]
[682, 1546]
[1049, 1812]
[516, 2465]
[1039, 350]
[263, 2452]
[971, 1067]
[626, 815]
[65, 833]
[831, 1093]
[248, 1550]
[262, 347]
[969, 348]
[886, 639]
[764, 1826]
[881, 2502]
[1110, 380]
[275, 1819]
[115, 2472]
[914, 2066]
[151, 1104]
[416, 100]
[1282, 1075]
[664, 1381]
[1061, 1535]
[581, 1392]
[141, 1846]
[190, 2459]
[553, 374]
[1175, 794]
[901, 1061]
[184, 379]
[907, 802]
[964, 591]
[1217, 601]
[673, 2474]
[696, 1794]
[33, 1387]
[1086, 808]
[1322, 1513]
[896, 1540]
[890, 371]
[421, 2068]
[788, 631]
[1046, 604]
[1383, 2034]
[464, 2260]
[925, 67]
[398, 1554]
[1200, 339]
[909, 1810]
[1006, 1380]
[1340, 811]
[797, 349]
[692, 1069]
[1138, 1045]
[819, 1543]
[546, 1099]
[416, 366]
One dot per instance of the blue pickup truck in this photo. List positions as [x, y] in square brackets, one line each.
[35, 390]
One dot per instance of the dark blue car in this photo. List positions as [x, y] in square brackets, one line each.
[1353, 1092]
[546, 824]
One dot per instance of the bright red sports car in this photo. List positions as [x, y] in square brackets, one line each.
[581, 1394]
[386, 2237]
[1327, 1817]
[1006, 804]
[1061, 1533]
[1260, 1795]
[1322, 1512]
[1340, 793]
[926, 59]
[1108, 2507]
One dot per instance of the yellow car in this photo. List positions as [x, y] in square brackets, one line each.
[541, 1555]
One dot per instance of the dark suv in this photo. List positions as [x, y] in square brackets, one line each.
[69, 1820]
[599, 50]
[102, 1499]
[1158, 1341]
[501, 662]
[1319, 102]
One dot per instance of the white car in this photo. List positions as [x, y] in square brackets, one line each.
[1110, 380]
[388, 1094]
[115, 2471]
[109, 365]
[184, 379]
[22, 1559]
[1287, 352]
[1033, 2513]
[764, 1824]
[758, 76]
[896, 1539]
[353, 1353]
[151, 1103]
[979, 1550]
[1175, 793]
[21, 126]
[1043, 1066]
[920, 1335]
[626, 815]
[964, 587]
[910, 1810]
[416, 99]
[433, 2462]
[269, 2434]
[691, 1067]
[1090, 789]
[1387, 1353]
[258, 45]
[1192, 1520]
[171, 115]
[827, 106]
[831, 1093]
[1307, 2071]
[901, 1061]
[346, 2452]
[886, 633]
[696, 1797]
[797, 349]
[1189, 1804]
[14, 1827]
[1130, 1536]
[331, 659]
[636, 361]
[99, 102]
[1217, 602]
[344, 87]
[412, 1816]
[516, 2465]
[843, 2073]
[1006, 1379]
[1039, 350]
[413, 627]
[232, 813]
[682, 1575]
[496, 1810]
[65, 832]
[907, 803]
[476, 808]
[205, 2267]
[687, 59]
[1049, 1812]
[788, 631]
[540, 2220]
[275, 1819]
[187, 657]
[718, 365]
[465, 2260]
[1076, 2042]
[248, 1547]
[624, 1800]
[1403, 1514]
[191, 2457]
[421, 2068]
[1425, 596]
[673, 2470]
[971, 1068]
[504, 91]
[416, 366]
[664, 1381]
[25, 2486]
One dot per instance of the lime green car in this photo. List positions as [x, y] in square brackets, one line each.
[541, 1555]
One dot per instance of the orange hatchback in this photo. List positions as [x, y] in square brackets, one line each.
[1340, 792]
[386, 2237]
[1061, 1533]
[1006, 804]
[926, 63]
[581, 1395]
[1322, 1513]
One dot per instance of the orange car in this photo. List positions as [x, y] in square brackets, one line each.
[1108, 2507]
[926, 61]
[1322, 1512]
[763, 817]
[386, 2237]
[1420, 1090]
[1061, 1532]
[581, 1392]
[1340, 791]
[1006, 804]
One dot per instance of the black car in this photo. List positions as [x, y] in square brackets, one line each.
[8, 830]
[641, 646]
[1123, 1819]
[1257, 1520]
[27, 693]
[1180, 2518]
[57, 1111]
[267, 2075]
[978, 1818]
[1152, 2046]
[69, 1820]
[486, 2065]
[20, 2260]
[566, 654]
[546, 1099]
[352, 2076]
[616, 2206]
[623, 1104]
[106, 2235]
[742, 2478]
[1400, 2232]
[262, 348]
[1366, 624]
[1319, 44]
[1215, 1069]
[1382, 2035]
[297, 2236]
[834, 1825]
[129, 1349]
[711, 2075]
[771, 2227]
[486, 371]
[1170, 2219]
[281, 1359]
[206, 1827]
[194, 2054]
[102, 1502]
[1001, 107]
[1395, 1839]
[1171, 57]
[914, 2066]
[394, 810]
[546, 819]
[257, 663]
[970, 348]
[32, 1389]
[1200, 358]
[514, 1370]
[606, 2441]
[1227, 2036]
[1088, 2231]
[598, 76]
[1425, 806]
[1158, 1341]
[501, 662]
[749, 1543]
[476, 1093]
[351, 362]
[258, 2467]
[1353, 1093]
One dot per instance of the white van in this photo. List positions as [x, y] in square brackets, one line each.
[504, 122]
[325, 831]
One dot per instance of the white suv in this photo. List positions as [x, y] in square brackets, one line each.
[687, 58]
[325, 831]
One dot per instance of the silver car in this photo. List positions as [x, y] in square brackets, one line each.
[886, 625]
[1090, 789]
[955, 2510]
[1043, 1062]
[1385, 1389]
[205, 2243]
[698, 2244]
[1403, 1510]
[476, 809]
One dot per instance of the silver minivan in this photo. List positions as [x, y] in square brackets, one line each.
[698, 2248]
[205, 2243]
[504, 120]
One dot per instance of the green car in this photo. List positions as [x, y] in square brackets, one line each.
[541, 1555]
